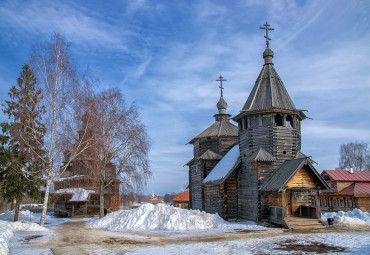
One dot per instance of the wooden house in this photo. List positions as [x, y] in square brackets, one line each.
[77, 189]
[348, 190]
[261, 174]
[182, 200]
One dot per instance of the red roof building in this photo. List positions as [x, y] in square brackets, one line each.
[349, 190]
[182, 200]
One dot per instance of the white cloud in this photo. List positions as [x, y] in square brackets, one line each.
[39, 18]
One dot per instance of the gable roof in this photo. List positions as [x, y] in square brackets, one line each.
[217, 129]
[344, 175]
[261, 155]
[282, 175]
[224, 168]
[210, 155]
[183, 196]
[356, 188]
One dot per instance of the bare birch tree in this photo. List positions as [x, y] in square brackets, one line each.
[62, 89]
[121, 147]
[355, 155]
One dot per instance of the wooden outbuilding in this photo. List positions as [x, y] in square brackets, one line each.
[77, 189]
[348, 190]
[182, 200]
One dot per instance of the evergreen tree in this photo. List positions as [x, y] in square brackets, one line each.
[22, 140]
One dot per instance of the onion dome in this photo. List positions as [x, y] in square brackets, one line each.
[221, 106]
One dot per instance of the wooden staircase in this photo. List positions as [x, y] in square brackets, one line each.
[301, 223]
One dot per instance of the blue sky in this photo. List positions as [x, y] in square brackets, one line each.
[166, 56]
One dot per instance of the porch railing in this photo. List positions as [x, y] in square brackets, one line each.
[277, 213]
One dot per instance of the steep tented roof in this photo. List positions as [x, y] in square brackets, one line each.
[344, 175]
[285, 173]
[218, 128]
[268, 91]
[224, 168]
[261, 155]
[210, 155]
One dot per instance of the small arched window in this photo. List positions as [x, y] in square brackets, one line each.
[289, 121]
[278, 120]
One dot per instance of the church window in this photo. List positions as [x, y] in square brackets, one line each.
[289, 121]
[246, 123]
[278, 120]
[240, 126]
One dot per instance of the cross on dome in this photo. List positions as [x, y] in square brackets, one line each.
[266, 27]
[221, 79]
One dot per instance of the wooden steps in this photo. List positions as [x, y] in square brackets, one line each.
[300, 223]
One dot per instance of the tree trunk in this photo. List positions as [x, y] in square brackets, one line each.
[46, 198]
[16, 211]
[101, 191]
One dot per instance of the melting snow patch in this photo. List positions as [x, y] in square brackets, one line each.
[150, 217]
[355, 217]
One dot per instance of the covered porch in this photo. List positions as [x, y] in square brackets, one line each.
[287, 196]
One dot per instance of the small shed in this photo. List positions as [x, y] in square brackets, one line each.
[182, 200]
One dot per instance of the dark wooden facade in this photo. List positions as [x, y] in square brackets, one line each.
[81, 176]
[271, 179]
[209, 147]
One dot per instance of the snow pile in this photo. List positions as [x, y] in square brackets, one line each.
[6, 233]
[355, 217]
[7, 230]
[79, 194]
[150, 217]
[27, 226]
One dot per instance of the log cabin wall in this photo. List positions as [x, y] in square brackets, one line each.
[201, 168]
[212, 199]
[230, 196]
[283, 142]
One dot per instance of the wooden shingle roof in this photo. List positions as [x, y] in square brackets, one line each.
[286, 172]
[260, 155]
[217, 129]
[210, 155]
[269, 92]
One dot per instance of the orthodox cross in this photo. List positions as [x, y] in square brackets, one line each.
[221, 79]
[266, 27]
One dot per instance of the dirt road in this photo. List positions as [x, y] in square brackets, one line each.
[75, 236]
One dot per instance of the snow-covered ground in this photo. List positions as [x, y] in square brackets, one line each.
[163, 220]
[28, 222]
[303, 244]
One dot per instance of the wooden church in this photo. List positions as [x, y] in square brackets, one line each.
[256, 170]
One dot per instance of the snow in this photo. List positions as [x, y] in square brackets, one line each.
[68, 178]
[26, 223]
[162, 217]
[79, 194]
[224, 166]
[352, 243]
[350, 218]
